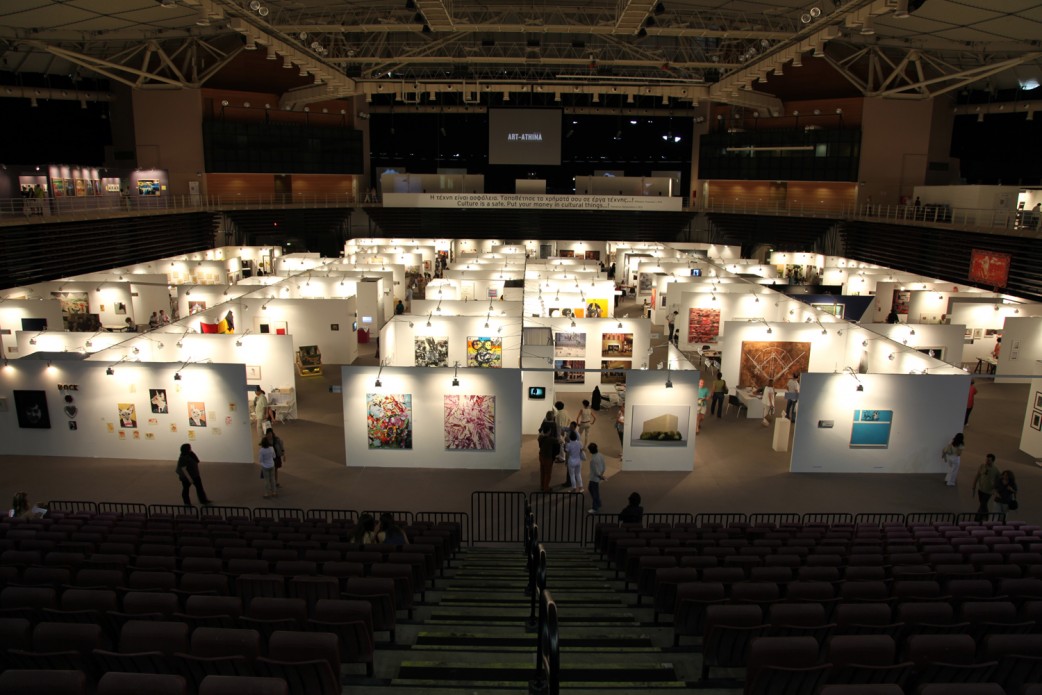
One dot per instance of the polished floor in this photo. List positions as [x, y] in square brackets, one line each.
[735, 470]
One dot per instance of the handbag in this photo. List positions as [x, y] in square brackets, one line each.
[1013, 504]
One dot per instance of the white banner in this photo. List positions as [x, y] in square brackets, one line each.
[532, 202]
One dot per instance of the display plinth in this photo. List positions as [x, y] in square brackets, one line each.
[782, 425]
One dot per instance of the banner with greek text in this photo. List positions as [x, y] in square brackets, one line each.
[532, 202]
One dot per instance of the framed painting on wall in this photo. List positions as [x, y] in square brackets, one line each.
[617, 345]
[871, 429]
[389, 420]
[1036, 420]
[569, 371]
[613, 371]
[158, 402]
[773, 362]
[31, 407]
[901, 300]
[127, 416]
[596, 308]
[569, 345]
[703, 325]
[431, 351]
[253, 372]
[989, 267]
[935, 352]
[485, 352]
[836, 310]
[470, 422]
[196, 414]
[660, 425]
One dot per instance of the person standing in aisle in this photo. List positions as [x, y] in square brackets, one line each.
[620, 423]
[260, 410]
[792, 396]
[266, 457]
[671, 322]
[767, 398]
[574, 456]
[952, 455]
[561, 418]
[703, 404]
[716, 406]
[188, 472]
[596, 476]
[969, 402]
[280, 453]
[548, 443]
[585, 419]
[1006, 492]
[984, 485]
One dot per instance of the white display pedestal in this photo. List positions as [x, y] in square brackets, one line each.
[781, 434]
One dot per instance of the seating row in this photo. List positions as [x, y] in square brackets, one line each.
[792, 664]
[309, 661]
[71, 682]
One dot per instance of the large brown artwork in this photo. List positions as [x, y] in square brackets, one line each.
[772, 361]
[703, 325]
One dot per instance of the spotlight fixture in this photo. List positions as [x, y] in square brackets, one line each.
[177, 375]
[455, 375]
[669, 380]
[860, 387]
[378, 383]
[573, 324]
[110, 371]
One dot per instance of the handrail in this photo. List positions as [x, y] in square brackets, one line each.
[548, 649]
[537, 577]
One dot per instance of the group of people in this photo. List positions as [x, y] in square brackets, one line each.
[386, 531]
[567, 440]
[712, 400]
[989, 484]
[157, 320]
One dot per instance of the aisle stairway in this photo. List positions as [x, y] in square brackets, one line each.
[470, 637]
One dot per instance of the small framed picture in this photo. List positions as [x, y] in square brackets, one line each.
[1036, 420]
[253, 372]
[72, 424]
[334, 326]
[1038, 400]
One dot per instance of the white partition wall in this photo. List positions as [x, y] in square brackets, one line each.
[1020, 348]
[651, 407]
[14, 313]
[942, 341]
[403, 339]
[326, 323]
[596, 345]
[138, 412]
[899, 423]
[418, 419]
[1031, 433]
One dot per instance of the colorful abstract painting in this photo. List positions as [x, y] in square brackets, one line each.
[596, 308]
[774, 362]
[432, 351]
[617, 345]
[485, 352]
[389, 420]
[470, 422]
[902, 298]
[569, 345]
[703, 325]
[989, 268]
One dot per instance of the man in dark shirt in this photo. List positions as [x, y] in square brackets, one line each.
[633, 513]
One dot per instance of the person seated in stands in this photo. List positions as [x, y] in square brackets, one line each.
[390, 532]
[22, 509]
[633, 513]
[365, 530]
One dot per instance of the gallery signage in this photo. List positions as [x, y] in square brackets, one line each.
[531, 201]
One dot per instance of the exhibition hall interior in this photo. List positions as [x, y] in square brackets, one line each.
[412, 346]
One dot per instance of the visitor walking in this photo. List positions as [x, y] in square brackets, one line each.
[620, 423]
[548, 445]
[585, 419]
[188, 472]
[1006, 492]
[266, 457]
[952, 455]
[767, 398]
[260, 411]
[984, 485]
[574, 455]
[792, 396]
[969, 402]
[596, 476]
[716, 406]
[280, 453]
[671, 322]
[703, 404]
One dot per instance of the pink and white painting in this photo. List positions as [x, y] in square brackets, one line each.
[470, 422]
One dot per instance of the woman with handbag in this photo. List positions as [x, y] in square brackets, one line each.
[1006, 492]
